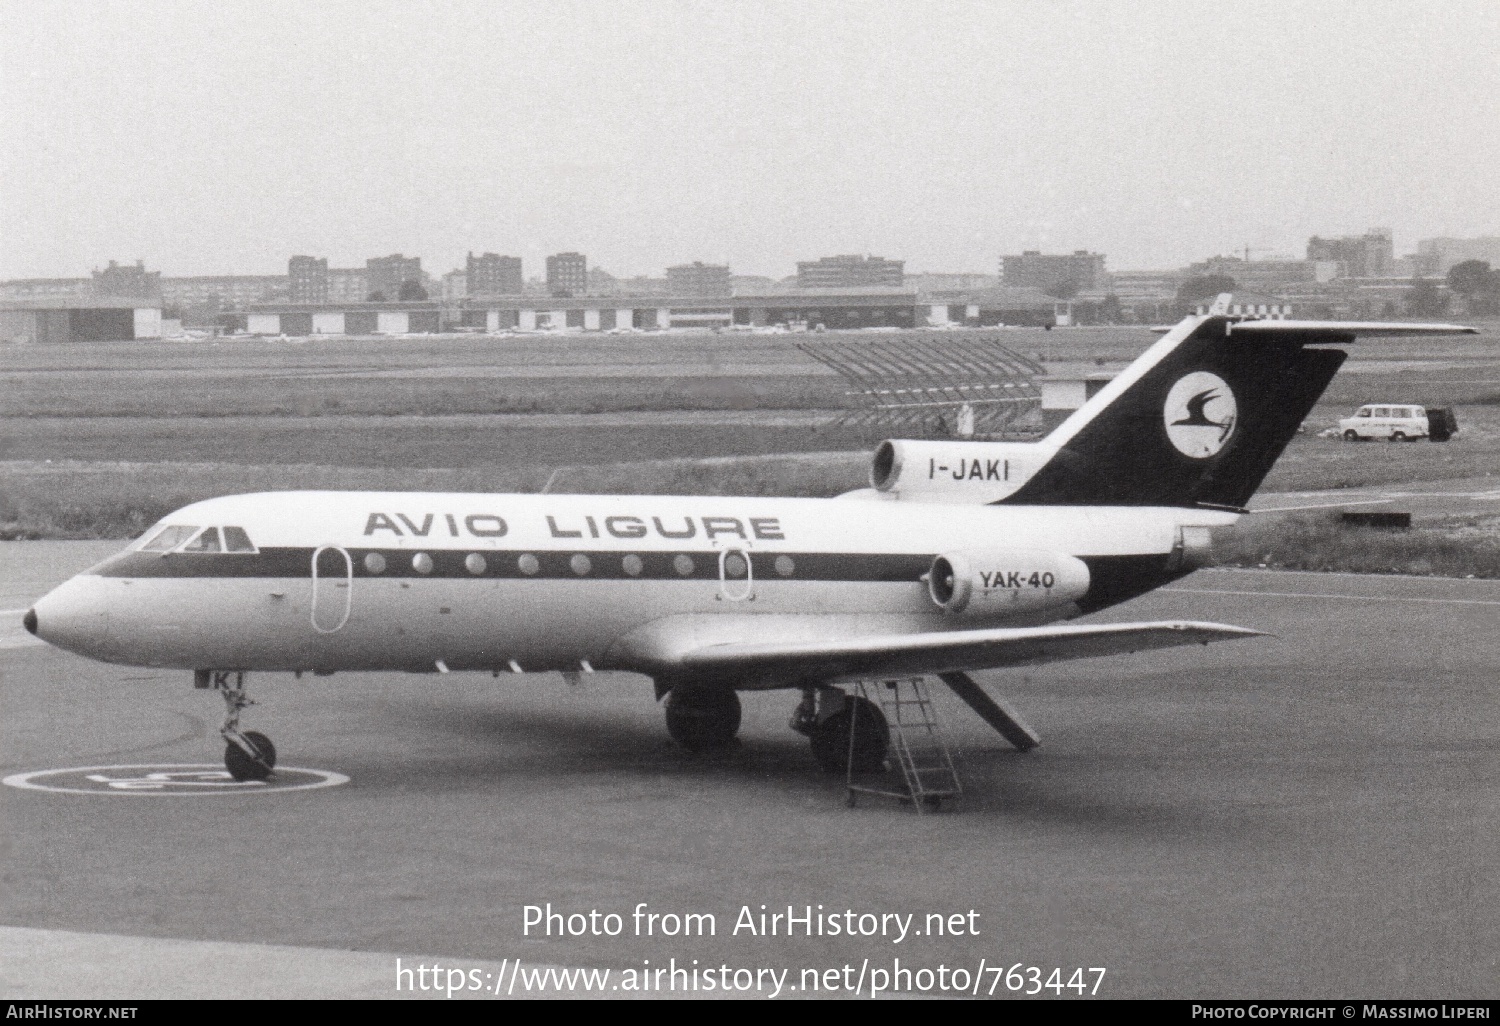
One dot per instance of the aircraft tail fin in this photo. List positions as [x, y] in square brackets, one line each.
[1200, 417]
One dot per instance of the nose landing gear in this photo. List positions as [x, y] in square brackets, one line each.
[248, 755]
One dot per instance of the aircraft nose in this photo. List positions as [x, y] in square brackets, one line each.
[74, 616]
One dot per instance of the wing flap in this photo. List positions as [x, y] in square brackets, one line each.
[948, 651]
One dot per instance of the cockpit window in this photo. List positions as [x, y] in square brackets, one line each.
[168, 538]
[207, 541]
[236, 540]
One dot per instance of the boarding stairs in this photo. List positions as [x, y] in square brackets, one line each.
[917, 748]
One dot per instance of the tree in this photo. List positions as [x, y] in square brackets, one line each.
[1470, 277]
[376, 297]
[1206, 286]
[1425, 299]
[1110, 311]
[411, 291]
[1067, 288]
[1479, 286]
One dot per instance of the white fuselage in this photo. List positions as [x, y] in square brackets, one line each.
[424, 581]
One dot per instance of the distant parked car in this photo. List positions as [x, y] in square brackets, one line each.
[1396, 423]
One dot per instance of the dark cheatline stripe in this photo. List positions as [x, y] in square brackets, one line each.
[505, 564]
[1115, 579]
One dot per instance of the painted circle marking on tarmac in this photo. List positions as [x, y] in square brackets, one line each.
[169, 779]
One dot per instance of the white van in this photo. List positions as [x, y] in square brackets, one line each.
[1385, 420]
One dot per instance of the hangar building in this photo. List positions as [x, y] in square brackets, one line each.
[78, 319]
[833, 308]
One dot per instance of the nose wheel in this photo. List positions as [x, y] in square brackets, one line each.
[248, 755]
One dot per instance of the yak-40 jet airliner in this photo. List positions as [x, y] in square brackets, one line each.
[961, 556]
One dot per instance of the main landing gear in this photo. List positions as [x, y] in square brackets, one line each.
[845, 731]
[248, 755]
[703, 720]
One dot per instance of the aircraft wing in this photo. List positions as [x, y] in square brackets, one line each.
[940, 652]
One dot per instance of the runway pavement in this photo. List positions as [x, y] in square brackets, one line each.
[1313, 814]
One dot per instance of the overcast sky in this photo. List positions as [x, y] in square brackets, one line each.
[217, 138]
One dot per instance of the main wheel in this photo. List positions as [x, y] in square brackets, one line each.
[241, 767]
[872, 735]
[1398, 436]
[1351, 435]
[703, 719]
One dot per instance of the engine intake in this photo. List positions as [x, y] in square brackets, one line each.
[997, 582]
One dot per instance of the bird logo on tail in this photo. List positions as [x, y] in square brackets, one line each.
[1200, 414]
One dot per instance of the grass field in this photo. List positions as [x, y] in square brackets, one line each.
[1313, 463]
[120, 500]
[361, 441]
[1449, 547]
[589, 374]
[100, 441]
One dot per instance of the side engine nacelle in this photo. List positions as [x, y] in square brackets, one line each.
[954, 471]
[994, 582]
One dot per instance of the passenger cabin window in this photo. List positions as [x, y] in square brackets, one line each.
[207, 541]
[236, 540]
[1382, 411]
[168, 538]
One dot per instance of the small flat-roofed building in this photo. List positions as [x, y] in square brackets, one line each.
[1064, 393]
[1009, 305]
